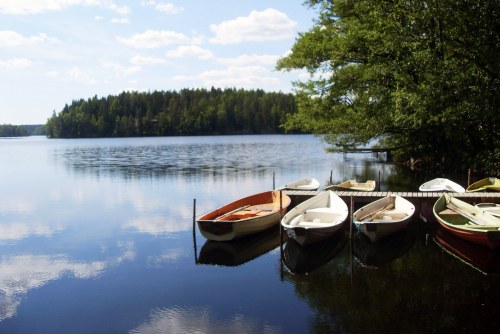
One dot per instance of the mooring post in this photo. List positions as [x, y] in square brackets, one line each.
[351, 220]
[274, 180]
[281, 237]
[194, 233]
[194, 212]
[331, 177]
[379, 180]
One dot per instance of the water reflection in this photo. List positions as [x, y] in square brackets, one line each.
[21, 273]
[233, 157]
[480, 258]
[376, 254]
[199, 320]
[157, 224]
[239, 251]
[96, 236]
[10, 231]
[305, 259]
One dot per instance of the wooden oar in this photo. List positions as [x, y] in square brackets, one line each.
[467, 214]
[373, 214]
[231, 212]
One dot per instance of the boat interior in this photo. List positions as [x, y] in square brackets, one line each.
[315, 218]
[247, 212]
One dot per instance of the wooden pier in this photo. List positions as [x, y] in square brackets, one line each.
[298, 196]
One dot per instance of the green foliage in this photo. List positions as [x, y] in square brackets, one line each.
[8, 130]
[187, 112]
[421, 75]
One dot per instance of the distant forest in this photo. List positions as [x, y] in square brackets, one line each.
[171, 113]
[8, 130]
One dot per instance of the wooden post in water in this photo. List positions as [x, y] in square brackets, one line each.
[351, 218]
[331, 177]
[281, 236]
[274, 180]
[379, 180]
[350, 238]
[194, 232]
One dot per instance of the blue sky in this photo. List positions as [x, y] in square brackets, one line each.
[55, 51]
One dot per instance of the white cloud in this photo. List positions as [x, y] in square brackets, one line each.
[235, 76]
[120, 20]
[193, 51]
[122, 71]
[249, 59]
[123, 10]
[267, 25]
[151, 39]
[144, 60]
[164, 7]
[168, 8]
[30, 7]
[77, 74]
[15, 64]
[9, 38]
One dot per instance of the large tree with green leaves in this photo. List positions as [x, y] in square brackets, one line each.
[422, 76]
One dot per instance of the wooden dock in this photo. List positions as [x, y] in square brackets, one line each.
[368, 196]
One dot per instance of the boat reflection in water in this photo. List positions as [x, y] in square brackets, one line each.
[388, 249]
[480, 258]
[304, 259]
[241, 250]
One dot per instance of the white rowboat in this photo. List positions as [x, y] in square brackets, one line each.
[316, 218]
[441, 184]
[302, 184]
[384, 216]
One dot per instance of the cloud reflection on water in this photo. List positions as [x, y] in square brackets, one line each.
[199, 320]
[21, 273]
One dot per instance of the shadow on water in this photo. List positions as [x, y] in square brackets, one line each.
[401, 284]
[239, 251]
[305, 259]
[376, 254]
[482, 259]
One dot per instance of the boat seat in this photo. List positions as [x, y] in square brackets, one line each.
[263, 207]
[394, 216]
[317, 217]
[328, 210]
[310, 224]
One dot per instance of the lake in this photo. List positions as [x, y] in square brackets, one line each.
[96, 236]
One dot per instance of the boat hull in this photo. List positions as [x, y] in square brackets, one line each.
[458, 225]
[302, 184]
[384, 217]
[315, 219]
[352, 185]
[306, 236]
[247, 216]
[440, 184]
[486, 184]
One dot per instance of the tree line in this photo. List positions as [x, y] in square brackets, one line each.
[173, 113]
[9, 130]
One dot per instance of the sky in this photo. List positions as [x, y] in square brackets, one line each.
[53, 52]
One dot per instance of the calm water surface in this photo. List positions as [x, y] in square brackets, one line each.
[96, 236]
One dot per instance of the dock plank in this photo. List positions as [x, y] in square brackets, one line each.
[367, 195]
